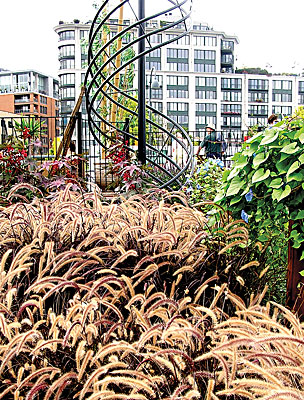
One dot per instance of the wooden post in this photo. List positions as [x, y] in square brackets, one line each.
[295, 282]
[117, 65]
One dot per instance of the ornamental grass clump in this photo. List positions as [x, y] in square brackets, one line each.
[131, 300]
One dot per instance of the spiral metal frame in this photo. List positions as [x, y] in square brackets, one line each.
[164, 170]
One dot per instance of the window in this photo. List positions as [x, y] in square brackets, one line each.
[178, 112]
[184, 40]
[156, 38]
[205, 94]
[153, 59]
[5, 83]
[204, 67]
[67, 64]
[257, 121]
[204, 54]
[67, 106]
[177, 86]
[227, 59]
[205, 82]
[43, 100]
[154, 93]
[254, 110]
[301, 99]
[158, 105]
[199, 40]
[233, 122]
[205, 108]
[67, 35]
[42, 84]
[154, 54]
[43, 110]
[259, 97]
[153, 64]
[231, 109]
[301, 86]
[201, 121]
[227, 45]
[231, 96]
[282, 85]
[205, 88]
[68, 92]
[231, 83]
[258, 84]
[283, 110]
[282, 97]
[84, 34]
[200, 27]
[67, 79]
[67, 51]
[178, 59]
[204, 60]
[178, 107]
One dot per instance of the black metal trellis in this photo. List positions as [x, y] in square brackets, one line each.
[103, 94]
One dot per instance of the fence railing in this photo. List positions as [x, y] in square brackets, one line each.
[97, 168]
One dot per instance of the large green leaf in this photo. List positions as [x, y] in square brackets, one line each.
[251, 149]
[300, 215]
[260, 175]
[242, 161]
[235, 186]
[276, 194]
[301, 137]
[270, 136]
[283, 166]
[286, 192]
[260, 158]
[234, 172]
[296, 176]
[298, 133]
[284, 156]
[290, 148]
[235, 199]
[276, 183]
[301, 158]
[294, 166]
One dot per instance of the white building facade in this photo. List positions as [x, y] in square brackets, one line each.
[197, 78]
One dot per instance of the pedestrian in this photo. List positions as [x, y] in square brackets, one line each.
[213, 143]
[272, 120]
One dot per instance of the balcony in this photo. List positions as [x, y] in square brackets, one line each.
[227, 48]
[24, 99]
[21, 87]
[22, 110]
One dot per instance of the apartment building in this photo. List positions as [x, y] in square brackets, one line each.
[196, 74]
[31, 93]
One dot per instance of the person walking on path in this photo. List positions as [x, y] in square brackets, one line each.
[213, 143]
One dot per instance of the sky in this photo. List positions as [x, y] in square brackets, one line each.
[270, 32]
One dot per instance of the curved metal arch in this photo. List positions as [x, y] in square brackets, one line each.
[168, 171]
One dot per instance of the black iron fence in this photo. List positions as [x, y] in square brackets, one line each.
[98, 167]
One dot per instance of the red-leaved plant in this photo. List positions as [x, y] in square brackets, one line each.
[131, 175]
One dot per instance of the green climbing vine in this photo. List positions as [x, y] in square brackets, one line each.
[266, 185]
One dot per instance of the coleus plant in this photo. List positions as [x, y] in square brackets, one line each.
[130, 174]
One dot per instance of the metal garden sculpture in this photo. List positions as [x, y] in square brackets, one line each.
[117, 109]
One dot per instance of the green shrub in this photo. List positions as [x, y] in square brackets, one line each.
[205, 182]
[265, 188]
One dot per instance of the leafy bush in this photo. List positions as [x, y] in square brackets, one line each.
[203, 185]
[18, 167]
[265, 188]
[113, 300]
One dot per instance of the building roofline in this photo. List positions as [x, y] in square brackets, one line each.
[17, 71]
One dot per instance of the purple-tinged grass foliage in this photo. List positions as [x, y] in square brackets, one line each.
[131, 300]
